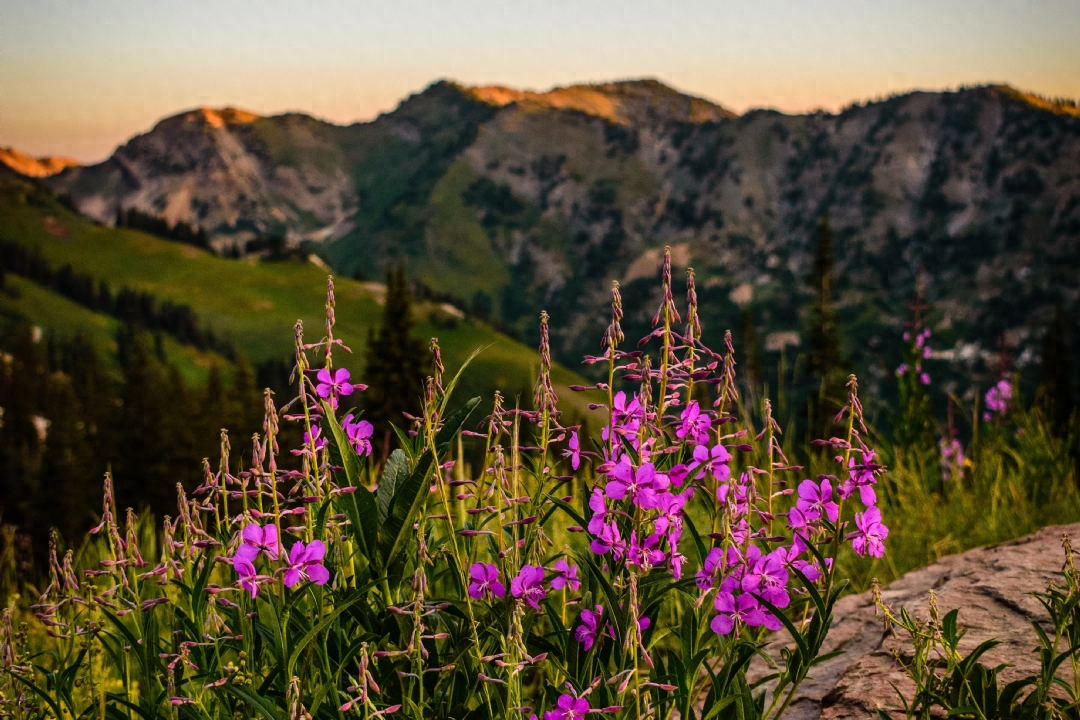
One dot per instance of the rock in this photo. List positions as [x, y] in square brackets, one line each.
[989, 585]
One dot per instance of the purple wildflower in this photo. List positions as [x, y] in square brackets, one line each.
[259, 539]
[768, 579]
[715, 459]
[646, 554]
[568, 707]
[734, 610]
[565, 576]
[639, 486]
[924, 378]
[670, 508]
[528, 585]
[815, 499]
[249, 578]
[871, 533]
[861, 477]
[485, 581]
[694, 424]
[998, 397]
[608, 539]
[586, 633]
[574, 451]
[332, 385]
[305, 563]
[359, 434]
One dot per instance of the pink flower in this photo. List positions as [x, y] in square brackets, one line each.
[871, 533]
[359, 434]
[305, 563]
[568, 707]
[335, 384]
[768, 578]
[258, 538]
[815, 500]
[694, 424]
[485, 581]
[574, 451]
[528, 585]
[565, 576]
[715, 460]
[587, 631]
[639, 486]
[733, 611]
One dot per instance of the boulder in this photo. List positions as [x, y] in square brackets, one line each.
[989, 585]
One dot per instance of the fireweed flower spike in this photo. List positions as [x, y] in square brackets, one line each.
[568, 707]
[485, 582]
[259, 539]
[305, 563]
[869, 539]
[333, 384]
[695, 424]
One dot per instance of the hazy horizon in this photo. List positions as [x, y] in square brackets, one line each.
[78, 79]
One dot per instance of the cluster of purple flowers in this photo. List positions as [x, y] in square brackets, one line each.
[952, 459]
[304, 563]
[527, 585]
[997, 400]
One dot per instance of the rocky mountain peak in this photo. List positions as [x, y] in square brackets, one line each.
[24, 164]
[627, 102]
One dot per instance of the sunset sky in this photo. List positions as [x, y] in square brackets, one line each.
[79, 77]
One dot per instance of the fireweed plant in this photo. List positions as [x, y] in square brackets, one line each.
[632, 575]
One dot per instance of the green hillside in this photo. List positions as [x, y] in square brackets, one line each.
[254, 304]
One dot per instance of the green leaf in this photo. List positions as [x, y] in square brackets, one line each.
[394, 474]
[360, 504]
[302, 644]
[396, 532]
[263, 706]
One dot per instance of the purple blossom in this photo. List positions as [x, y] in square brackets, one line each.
[768, 578]
[815, 499]
[670, 509]
[332, 385]
[313, 437]
[739, 493]
[705, 575]
[924, 378]
[733, 611]
[871, 533]
[565, 576]
[608, 540]
[249, 578]
[586, 633]
[861, 477]
[639, 486]
[714, 459]
[902, 369]
[359, 434]
[998, 397]
[485, 581]
[574, 451]
[677, 474]
[647, 554]
[568, 707]
[598, 504]
[306, 563]
[694, 424]
[258, 538]
[528, 585]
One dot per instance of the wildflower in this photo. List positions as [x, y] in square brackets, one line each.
[694, 424]
[646, 554]
[332, 385]
[528, 586]
[704, 576]
[902, 369]
[639, 486]
[565, 576]
[485, 581]
[716, 459]
[305, 563]
[861, 477]
[258, 538]
[574, 451]
[871, 533]
[924, 378]
[768, 579]
[997, 399]
[568, 707]
[598, 505]
[952, 459]
[359, 434]
[733, 610]
[608, 539]
[670, 507]
[816, 499]
[586, 632]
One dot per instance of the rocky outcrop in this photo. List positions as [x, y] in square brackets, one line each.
[989, 585]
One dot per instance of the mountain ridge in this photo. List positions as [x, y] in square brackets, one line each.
[512, 201]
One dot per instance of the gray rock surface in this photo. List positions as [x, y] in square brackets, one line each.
[989, 585]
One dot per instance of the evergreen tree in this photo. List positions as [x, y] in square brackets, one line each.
[393, 370]
[1056, 375]
[824, 364]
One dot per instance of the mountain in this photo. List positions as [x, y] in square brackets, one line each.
[514, 201]
[34, 167]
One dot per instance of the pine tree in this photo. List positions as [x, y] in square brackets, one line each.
[393, 373]
[824, 363]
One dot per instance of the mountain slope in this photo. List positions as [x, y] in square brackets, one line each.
[513, 201]
[254, 304]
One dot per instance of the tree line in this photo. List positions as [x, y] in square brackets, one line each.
[131, 306]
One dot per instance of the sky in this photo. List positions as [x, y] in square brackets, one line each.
[80, 77]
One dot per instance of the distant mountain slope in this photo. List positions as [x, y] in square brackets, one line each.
[254, 304]
[515, 201]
